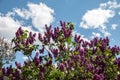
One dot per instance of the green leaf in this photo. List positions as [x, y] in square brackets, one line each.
[56, 73]
[69, 40]
[31, 46]
[76, 53]
[74, 43]
[24, 36]
[26, 31]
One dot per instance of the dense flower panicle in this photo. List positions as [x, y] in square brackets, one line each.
[9, 70]
[117, 62]
[34, 35]
[62, 24]
[18, 65]
[94, 42]
[92, 60]
[77, 38]
[102, 64]
[90, 67]
[40, 59]
[62, 67]
[82, 52]
[94, 50]
[102, 47]
[115, 50]
[47, 34]
[17, 74]
[98, 77]
[55, 52]
[31, 35]
[107, 40]
[77, 48]
[41, 50]
[25, 63]
[118, 77]
[31, 40]
[61, 47]
[27, 42]
[67, 32]
[19, 32]
[55, 33]
[85, 44]
[70, 63]
[46, 38]
[99, 57]
[40, 37]
[42, 69]
[50, 55]
[37, 54]
[66, 64]
[4, 71]
[1, 78]
[23, 42]
[36, 59]
[48, 30]
[16, 44]
[48, 63]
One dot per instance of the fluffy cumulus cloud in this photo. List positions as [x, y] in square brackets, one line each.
[98, 18]
[110, 5]
[40, 14]
[106, 33]
[114, 26]
[23, 13]
[94, 34]
[8, 26]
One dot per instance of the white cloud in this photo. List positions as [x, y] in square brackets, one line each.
[110, 5]
[99, 17]
[106, 33]
[40, 14]
[118, 13]
[114, 26]
[96, 18]
[95, 35]
[22, 13]
[8, 26]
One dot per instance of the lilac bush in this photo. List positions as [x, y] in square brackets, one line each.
[60, 55]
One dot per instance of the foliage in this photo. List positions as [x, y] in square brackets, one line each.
[60, 55]
[6, 52]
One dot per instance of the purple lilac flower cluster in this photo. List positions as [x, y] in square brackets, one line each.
[63, 56]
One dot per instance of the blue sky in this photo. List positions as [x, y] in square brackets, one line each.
[91, 18]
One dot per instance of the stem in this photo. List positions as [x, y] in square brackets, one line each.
[29, 58]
